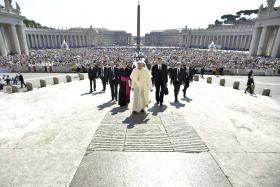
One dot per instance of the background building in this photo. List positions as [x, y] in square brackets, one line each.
[229, 37]
[172, 37]
[12, 31]
[75, 37]
[266, 36]
[261, 36]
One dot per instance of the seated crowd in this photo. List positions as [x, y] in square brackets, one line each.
[81, 57]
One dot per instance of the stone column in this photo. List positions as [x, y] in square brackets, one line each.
[36, 41]
[28, 40]
[240, 42]
[56, 41]
[221, 40]
[232, 42]
[14, 39]
[70, 40]
[40, 41]
[255, 41]
[234, 39]
[3, 50]
[31, 41]
[243, 41]
[201, 42]
[224, 42]
[263, 41]
[51, 41]
[198, 41]
[206, 41]
[77, 41]
[276, 47]
[249, 42]
[80, 41]
[45, 41]
[228, 40]
[22, 39]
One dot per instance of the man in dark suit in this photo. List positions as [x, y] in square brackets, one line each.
[102, 71]
[177, 76]
[186, 79]
[92, 75]
[159, 73]
[113, 78]
[21, 79]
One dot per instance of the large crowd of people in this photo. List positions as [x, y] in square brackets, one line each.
[79, 58]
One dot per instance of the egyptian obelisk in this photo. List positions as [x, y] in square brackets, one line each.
[138, 28]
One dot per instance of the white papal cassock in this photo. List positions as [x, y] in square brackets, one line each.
[141, 84]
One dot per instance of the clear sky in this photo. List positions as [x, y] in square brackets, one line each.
[121, 14]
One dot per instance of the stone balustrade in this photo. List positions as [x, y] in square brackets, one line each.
[55, 80]
[209, 80]
[68, 78]
[222, 82]
[266, 92]
[29, 86]
[15, 89]
[43, 83]
[236, 85]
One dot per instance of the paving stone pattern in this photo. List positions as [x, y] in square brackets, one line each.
[121, 131]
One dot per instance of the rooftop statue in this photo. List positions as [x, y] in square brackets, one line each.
[18, 8]
[270, 5]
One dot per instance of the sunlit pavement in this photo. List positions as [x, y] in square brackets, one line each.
[61, 135]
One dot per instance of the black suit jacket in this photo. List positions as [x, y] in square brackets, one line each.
[181, 77]
[100, 72]
[110, 75]
[92, 73]
[160, 76]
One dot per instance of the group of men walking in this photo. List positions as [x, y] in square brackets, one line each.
[126, 77]
[8, 81]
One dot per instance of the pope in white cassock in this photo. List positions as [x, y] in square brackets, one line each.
[141, 85]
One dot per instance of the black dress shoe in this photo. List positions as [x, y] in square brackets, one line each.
[134, 112]
[157, 103]
[160, 104]
[143, 110]
[176, 100]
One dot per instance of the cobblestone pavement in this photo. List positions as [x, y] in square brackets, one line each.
[146, 133]
[61, 135]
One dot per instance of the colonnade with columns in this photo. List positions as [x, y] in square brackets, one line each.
[13, 39]
[40, 40]
[266, 41]
[226, 41]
